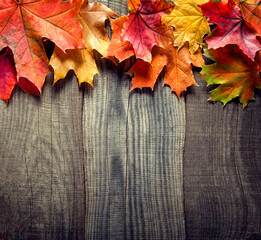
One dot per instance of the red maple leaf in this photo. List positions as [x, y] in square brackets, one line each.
[8, 77]
[231, 27]
[7, 74]
[143, 27]
[23, 23]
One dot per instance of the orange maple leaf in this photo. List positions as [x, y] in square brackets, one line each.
[178, 72]
[251, 12]
[133, 4]
[120, 49]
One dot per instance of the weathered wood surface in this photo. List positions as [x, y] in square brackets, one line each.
[104, 163]
[222, 168]
[134, 146]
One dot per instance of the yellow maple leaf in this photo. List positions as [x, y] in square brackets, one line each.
[80, 60]
[92, 17]
[190, 25]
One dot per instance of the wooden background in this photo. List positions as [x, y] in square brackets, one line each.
[104, 163]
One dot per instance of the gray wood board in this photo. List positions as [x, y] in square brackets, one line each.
[222, 168]
[134, 147]
[41, 159]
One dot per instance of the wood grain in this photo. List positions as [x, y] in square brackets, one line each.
[222, 168]
[104, 113]
[103, 163]
[134, 146]
[155, 142]
[41, 159]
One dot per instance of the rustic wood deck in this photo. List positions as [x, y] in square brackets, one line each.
[104, 163]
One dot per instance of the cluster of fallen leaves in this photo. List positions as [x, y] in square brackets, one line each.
[147, 32]
[163, 37]
[76, 28]
[235, 46]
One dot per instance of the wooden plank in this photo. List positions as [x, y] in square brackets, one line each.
[222, 168]
[134, 146]
[104, 111]
[41, 180]
[154, 174]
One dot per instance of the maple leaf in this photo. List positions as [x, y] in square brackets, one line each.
[7, 74]
[25, 22]
[179, 75]
[178, 72]
[120, 49]
[92, 17]
[81, 61]
[8, 77]
[143, 27]
[251, 11]
[231, 27]
[146, 74]
[133, 4]
[189, 23]
[237, 75]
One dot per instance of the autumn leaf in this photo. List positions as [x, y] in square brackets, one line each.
[231, 27]
[251, 11]
[179, 75]
[237, 75]
[143, 27]
[28, 87]
[178, 72]
[120, 49]
[92, 17]
[136, 34]
[146, 74]
[81, 61]
[8, 78]
[133, 4]
[25, 22]
[189, 23]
